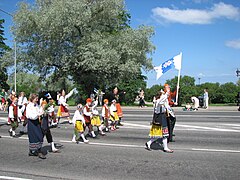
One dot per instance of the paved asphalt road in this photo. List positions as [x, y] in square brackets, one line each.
[207, 147]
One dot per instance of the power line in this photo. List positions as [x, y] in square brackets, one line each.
[6, 12]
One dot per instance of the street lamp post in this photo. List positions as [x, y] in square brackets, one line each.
[15, 66]
[238, 72]
[199, 80]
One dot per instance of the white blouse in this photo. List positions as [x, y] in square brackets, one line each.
[32, 111]
[78, 117]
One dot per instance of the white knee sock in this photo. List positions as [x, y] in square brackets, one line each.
[83, 137]
[151, 141]
[74, 138]
[93, 134]
[165, 146]
[53, 146]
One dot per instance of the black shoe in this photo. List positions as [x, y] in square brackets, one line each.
[58, 145]
[10, 133]
[22, 132]
[0, 136]
[120, 124]
[41, 156]
[32, 154]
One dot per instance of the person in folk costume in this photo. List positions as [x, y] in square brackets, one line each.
[44, 120]
[117, 96]
[14, 116]
[10, 98]
[22, 104]
[171, 118]
[35, 135]
[79, 124]
[95, 120]
[63, 106]
[114, 115]
[51, 113]
[100, 95]
[105, 114]
[171, 95]
[3, 95]
[159, 128]
[87, 114]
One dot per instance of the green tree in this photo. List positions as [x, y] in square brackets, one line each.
[29, 83]
[3, 49]
[132, 86]
[89, 40]
[214, 92]
[229, 91]
[238, 82]
[187, 88]
[151, 92]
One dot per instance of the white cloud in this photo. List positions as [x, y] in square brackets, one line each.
[196, 16]
[201, 75]
[199, 1]
[233, 44]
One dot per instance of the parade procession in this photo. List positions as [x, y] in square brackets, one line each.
[119, 89]
[36, 117]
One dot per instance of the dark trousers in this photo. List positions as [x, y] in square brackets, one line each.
[89, 125]
[171, 124]
[48, 136]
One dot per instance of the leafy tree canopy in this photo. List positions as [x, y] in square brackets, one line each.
[3, 49]
[87, 39]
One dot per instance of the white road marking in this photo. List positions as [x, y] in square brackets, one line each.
[231, 125]
[208, 128]
[182, 115]
[190, 127]
[13, 178]
[136, 146]
[136, 125]
[215, 150]
[107, 144]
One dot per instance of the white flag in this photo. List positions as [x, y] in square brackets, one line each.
[176, 62]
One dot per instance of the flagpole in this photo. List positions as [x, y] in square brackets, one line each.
[179, 72]
[177, 87]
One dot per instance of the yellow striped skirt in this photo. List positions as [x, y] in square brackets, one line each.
[95, 121]
[79, 126]
[115, 118]
[156, 131]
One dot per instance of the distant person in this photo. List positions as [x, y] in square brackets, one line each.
[205, 99]
[100, 97]
[195, 102]
[188, 107]
[13, 116]
[118, 96]
[141, 99]
[79, 125]
[22, 104]
[3, 96]
[63, 110]
[238, 101]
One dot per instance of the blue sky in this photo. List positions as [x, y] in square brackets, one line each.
[207, 32]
